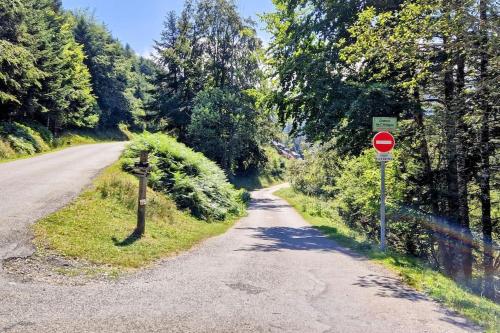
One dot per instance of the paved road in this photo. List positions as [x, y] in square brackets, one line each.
[33, 188]
[270, 273]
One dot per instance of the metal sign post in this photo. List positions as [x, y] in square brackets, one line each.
[382, 206]
[383, 142]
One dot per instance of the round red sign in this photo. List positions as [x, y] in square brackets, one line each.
[383, 142]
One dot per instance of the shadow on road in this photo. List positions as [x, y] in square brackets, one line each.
[389, 287]
[298, 239]
[267, 204]
[394, 288]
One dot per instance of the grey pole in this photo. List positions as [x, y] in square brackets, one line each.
[382, 206]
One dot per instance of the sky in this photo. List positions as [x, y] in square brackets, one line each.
[139, 22]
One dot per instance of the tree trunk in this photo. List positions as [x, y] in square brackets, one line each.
[465, 245]
[485, 151]
[435, 233]
[447, 253]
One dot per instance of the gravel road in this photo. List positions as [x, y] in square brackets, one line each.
[271, 273]
[33, 188]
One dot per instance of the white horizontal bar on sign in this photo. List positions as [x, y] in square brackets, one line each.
[383, 142]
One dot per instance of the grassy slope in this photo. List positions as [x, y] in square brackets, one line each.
[413, 272]
[97, 225]
[67, 139]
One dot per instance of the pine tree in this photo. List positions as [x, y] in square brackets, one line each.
[18, 71]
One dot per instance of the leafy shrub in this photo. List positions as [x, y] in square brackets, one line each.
[24, 139]
[317, 174]
[192, 180]
[351, 189]
[6, 150]
[42, 131]
[275, 166]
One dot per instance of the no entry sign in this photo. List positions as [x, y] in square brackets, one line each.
[383, 142]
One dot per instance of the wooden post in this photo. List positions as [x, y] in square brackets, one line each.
[143, 183]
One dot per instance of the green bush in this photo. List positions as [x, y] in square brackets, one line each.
[24, 139]
[6, 150]
[275, 166]
[192, 180]
[351, 189]
[317, 174]
[272, 172]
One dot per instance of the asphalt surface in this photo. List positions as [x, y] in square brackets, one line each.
[271, 273]
[33, 188]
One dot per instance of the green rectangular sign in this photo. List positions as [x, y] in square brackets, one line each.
[385, 124]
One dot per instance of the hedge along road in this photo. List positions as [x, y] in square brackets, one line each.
[33, 188]
[271, 273]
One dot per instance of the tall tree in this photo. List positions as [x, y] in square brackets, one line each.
[116, 74]
[18, 70]
[425, 55]
[486, 149]
[224, 127]
[65, 97]
[305, 57]
[208, 45]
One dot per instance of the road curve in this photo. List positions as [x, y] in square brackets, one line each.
[33, 188]
[271, 273]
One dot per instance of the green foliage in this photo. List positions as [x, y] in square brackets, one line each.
[20, 139]
[6, 150]
[317, 174]
[358, 188]
[208, 46]
[65, 95]
[275, 165]
[272, 173]
[193, 181]
[312, 91]
[119, 77]
[18, 71]
[224, 128]
[352, 189]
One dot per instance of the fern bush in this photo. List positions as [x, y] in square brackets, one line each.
[6, 150]
[192, 180]
[23, 139]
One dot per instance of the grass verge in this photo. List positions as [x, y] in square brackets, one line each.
[97, 227]
[413, 272]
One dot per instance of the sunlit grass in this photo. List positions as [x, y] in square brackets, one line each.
[412, 271]
[96, 227]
